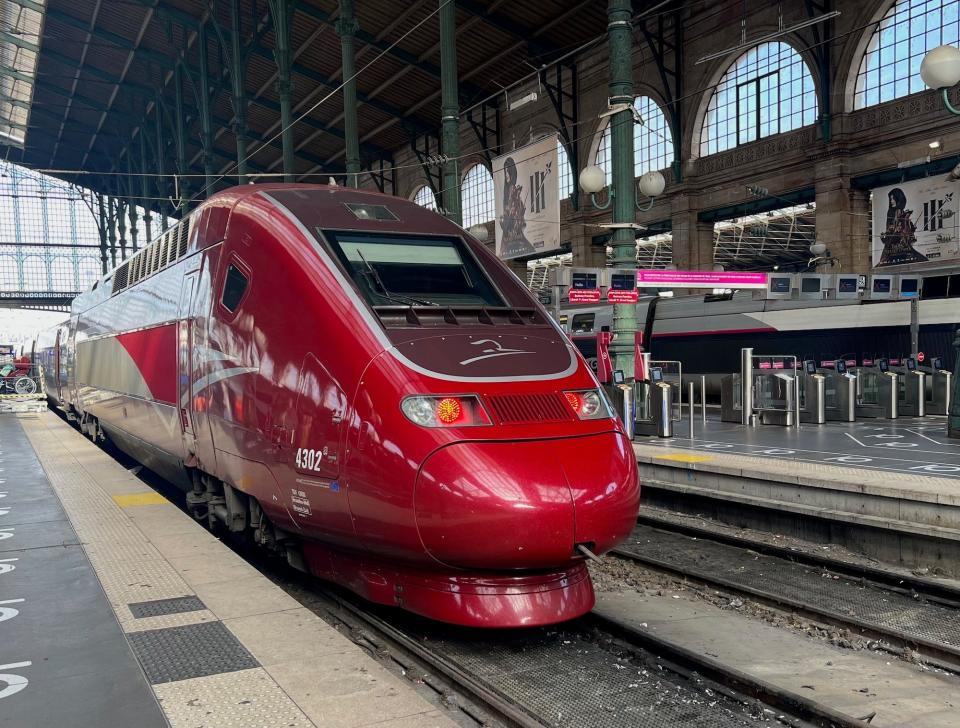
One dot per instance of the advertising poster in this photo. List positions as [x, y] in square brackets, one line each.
[527, 191]
[915, 222]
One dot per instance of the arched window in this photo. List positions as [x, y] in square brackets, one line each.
[425, 198]
[652, 141]
[476, 196]
[564, 173]
[768, 90]
[890, 67]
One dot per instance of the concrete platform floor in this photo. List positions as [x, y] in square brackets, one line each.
[133, 614]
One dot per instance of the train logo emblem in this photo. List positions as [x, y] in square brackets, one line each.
[491, 353]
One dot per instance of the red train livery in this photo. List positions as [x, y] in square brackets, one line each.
[355, 381]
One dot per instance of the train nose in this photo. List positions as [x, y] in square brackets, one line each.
[507, 505]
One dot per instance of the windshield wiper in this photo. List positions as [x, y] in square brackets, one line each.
[396, 297]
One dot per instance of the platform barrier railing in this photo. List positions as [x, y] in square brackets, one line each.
[672, 371]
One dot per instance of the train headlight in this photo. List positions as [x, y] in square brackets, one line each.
[447, 411]
[588, 404]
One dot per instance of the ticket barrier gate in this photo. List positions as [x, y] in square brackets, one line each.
[654, 406]
[767, 392]
[911, 389]
[813, 401]
[840, 393]
[939, 387]
[878, 391]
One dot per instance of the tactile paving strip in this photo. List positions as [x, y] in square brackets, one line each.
[196, 650]
[800, 582]
[160, 607]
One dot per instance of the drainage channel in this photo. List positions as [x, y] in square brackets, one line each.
[896, 611]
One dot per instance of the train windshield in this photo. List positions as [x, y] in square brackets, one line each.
[413, 271]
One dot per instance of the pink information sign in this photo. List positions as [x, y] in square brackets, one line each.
[700, 279]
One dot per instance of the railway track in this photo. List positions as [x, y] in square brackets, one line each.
[594, 672]
[899, 612]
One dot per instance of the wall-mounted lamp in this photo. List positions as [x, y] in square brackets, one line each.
[593, 179]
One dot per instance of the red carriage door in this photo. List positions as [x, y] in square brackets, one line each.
[317, 497]
[185, 367]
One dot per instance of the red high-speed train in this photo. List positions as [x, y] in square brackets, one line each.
[355, 381]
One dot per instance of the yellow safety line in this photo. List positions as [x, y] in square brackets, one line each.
[685, 458]
[139, 499]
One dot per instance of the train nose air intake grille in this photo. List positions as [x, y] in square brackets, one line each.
[515, 409]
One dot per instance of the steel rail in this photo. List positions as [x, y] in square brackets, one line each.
[892, 640]
[742, 683]
[946, 594]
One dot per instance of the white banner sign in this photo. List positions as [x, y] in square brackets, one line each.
[915, 222]
[527, 190]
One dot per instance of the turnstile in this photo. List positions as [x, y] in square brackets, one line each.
[939, 386]
[654, 411]
[878, 391]
[766, 392]
[911, 388]
[775, 397]
[840, 393]
[813, 405]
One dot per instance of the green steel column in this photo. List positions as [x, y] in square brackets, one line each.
[160, 179]
[132, 206]
[206, 127]
[282, 11]
[102, 230]
[347, 27]
[450, 112]
[623, 188]
[121, 226]
[953, 421]
[112, 231]
[181, 139]
[145, 188]
[237, 74]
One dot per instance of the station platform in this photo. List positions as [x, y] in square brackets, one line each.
[887, 489]
[117, 609]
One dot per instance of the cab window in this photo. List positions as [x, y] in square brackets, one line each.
[234, 286]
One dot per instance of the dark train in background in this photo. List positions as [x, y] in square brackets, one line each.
[357, 383]
[706, 333]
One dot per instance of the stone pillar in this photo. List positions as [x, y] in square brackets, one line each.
[843, 217]
[692, 238]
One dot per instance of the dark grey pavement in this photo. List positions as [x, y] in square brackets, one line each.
[64, 660]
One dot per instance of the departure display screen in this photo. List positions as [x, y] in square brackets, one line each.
[909, 287]
[779, 285]
[623, 281]
[584, 281]
[847, 285]
[810, 285]
[881, 285]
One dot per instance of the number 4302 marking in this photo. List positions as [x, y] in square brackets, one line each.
[308, 459]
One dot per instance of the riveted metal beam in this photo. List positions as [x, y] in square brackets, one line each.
[450, 112]
[347, 28]
[18, 41]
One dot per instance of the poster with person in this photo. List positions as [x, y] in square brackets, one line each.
[915, 222]
[527, 191]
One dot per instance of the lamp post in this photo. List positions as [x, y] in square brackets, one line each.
[940, 70]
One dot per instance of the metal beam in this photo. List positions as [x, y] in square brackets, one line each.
[347, 28]
[450, 112]
[30, 5]
[18, 41]
[282, 13]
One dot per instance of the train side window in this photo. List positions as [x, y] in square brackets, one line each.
[583, 323]
[234, 286]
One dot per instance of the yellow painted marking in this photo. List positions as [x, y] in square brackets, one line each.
[685, 458]
[140, 499]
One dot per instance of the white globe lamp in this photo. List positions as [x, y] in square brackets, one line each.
[479, 231]
[592, 179]
[818, 248]
[652, 184]
[941, 67]
[718, 268]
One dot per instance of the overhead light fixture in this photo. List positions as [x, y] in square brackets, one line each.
[935, 144]
[523, 100]
[744, 43]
